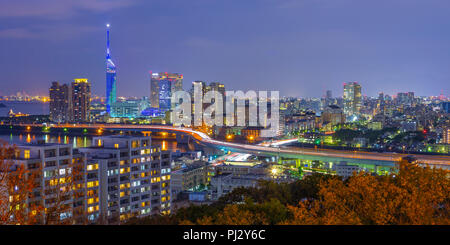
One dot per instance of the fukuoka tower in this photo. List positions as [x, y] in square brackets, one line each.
[111, 79]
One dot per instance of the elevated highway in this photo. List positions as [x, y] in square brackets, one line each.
[269, 149]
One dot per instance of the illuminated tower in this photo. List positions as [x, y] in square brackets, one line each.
[111, 78]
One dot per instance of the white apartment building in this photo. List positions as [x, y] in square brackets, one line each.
[345, 170]
[225, 183]
[132, 178]
[117, 178]
[52, 164]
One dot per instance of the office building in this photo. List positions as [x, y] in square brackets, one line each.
[219, 87]
[111, 78]
[162, 86]
[445, 107]
[328, 98]
[405, 98]
[329, 94]
[352, 99]
[129, 108]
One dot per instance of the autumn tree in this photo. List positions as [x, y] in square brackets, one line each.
[23, 200]
[16, 188]
[411, 195]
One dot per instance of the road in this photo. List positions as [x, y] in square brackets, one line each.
[266, 149]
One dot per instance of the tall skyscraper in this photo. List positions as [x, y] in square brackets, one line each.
[328, 99]
[60, 103]
[329, 95]
[352, 99]
[405, 98]
[162, 86]
[219, 87]
[111, 78]
[81, 99]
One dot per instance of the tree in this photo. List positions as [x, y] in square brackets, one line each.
[413, 195]
[16, 187]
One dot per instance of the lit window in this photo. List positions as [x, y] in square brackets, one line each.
[92, 167]
[26, 154]
[92, 184]
[116, 145]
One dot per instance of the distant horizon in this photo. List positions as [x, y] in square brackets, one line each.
[281, 95]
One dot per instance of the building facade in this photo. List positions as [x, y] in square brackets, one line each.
[134, 178]
[352, 99]
[162, 86]
[60, 105]
[81, 100]
[50, 199]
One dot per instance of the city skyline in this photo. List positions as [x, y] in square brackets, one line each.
[258, 113]
[406, 54]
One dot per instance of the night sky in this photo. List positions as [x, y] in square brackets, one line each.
[299, 47]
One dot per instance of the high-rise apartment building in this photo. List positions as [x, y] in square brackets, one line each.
[133, 176]
[60, 103]
[111, 78]
[117, 178]
[81, 99]
[162, 86]
[70, 103]
[352, 99]
[446, 135]
[50, 200]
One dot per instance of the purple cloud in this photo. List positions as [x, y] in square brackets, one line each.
[58, 8]
[16, 33]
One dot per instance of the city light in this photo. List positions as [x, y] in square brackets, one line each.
[265, 138]
[274, 171]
